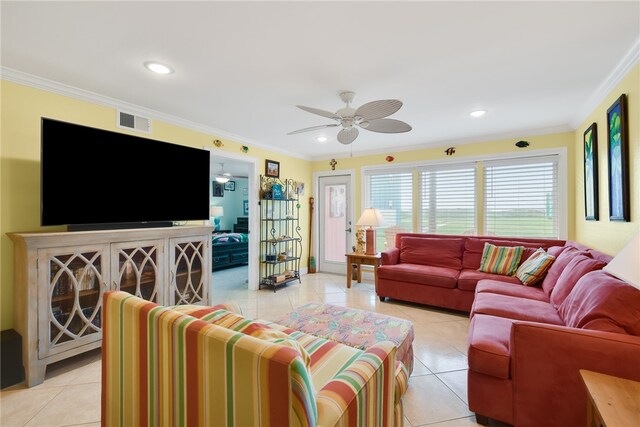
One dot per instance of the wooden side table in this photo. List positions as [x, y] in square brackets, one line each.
[360, 259]
[613, 401]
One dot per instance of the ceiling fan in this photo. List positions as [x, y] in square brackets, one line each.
[370, 116]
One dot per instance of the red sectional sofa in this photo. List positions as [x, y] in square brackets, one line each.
[442, 270]
[528, 343]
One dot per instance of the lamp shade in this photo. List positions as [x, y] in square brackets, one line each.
[626, 265]
[217, 211]
[371, 217]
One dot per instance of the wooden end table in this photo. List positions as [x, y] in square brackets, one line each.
[613, 401]
[360, 259]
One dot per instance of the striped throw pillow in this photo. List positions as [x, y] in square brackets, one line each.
[501, 259]
[534, 269]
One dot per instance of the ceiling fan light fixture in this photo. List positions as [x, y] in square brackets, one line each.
[370, 116]
[222, 176]
[321, 138]
[478, 113]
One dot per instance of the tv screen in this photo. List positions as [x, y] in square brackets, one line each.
[94, 176]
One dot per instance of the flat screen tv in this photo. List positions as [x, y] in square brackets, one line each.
[93, 178]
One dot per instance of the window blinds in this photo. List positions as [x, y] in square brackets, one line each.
[521, 197]
[392, 194]
[448, 200]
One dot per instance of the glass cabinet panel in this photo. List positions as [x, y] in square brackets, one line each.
[138, 269]
[74, 286]
[188, 272]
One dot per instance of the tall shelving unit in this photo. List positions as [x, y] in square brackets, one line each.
[280, 238]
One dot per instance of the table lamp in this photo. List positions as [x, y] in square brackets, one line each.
[370, 217]
[626, 265]
[216, 213]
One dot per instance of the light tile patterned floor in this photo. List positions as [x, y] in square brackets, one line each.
[437, 394]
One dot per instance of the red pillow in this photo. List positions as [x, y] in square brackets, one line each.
[437, 252]
[601, 302]
[579, 266]
[558, 267]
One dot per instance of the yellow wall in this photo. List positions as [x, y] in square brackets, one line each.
[604, 235]
[469, 151]
[22, 108]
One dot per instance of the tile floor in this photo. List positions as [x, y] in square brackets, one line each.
[437, 394]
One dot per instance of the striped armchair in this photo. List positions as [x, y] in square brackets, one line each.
[166, 367]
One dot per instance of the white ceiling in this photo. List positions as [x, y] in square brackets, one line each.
[241, 67]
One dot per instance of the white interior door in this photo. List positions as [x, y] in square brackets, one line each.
[335, 222]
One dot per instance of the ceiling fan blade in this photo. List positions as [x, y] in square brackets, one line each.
[378, 109]
[313, 128]
[319, 112]
[347, 135]
[387, 126]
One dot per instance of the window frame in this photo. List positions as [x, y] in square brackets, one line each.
[413, 167]
[447, 167]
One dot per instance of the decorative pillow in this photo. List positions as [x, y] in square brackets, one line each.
[501, 259]
[533, 269]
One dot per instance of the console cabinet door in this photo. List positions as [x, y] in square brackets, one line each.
[71, 282]
[138, 268]
[190, 274]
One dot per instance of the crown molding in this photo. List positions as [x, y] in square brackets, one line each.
[58, 88]
[452, 142]
[614, 78]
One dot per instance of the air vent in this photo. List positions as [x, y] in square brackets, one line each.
[131, 121]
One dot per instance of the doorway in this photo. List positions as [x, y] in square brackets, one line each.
[336, 229]
[234, 248]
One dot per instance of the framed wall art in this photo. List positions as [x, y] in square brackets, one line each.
[272, 168]
[590, 146]
[230, 186]
[218, 189]
[617, 142]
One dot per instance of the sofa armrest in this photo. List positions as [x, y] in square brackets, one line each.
[545, 364]
[390, 256]
[352, 397]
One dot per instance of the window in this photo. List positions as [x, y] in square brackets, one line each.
[392, 194]
[521, 197]
[448, 199]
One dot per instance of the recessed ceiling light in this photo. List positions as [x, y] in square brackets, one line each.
[158, 68]
[478, 113]
[321, 139]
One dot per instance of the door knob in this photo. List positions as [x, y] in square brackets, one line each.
[348, 229]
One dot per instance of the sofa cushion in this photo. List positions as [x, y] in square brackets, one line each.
[575, 269]
[515, 308]
[558, 266]
[501, 259]
[488, 352]
[534, 269]
[468, 279]
[602, 302]
[198, 311]
[256, 329]
[474, 247]
[445, 252]
[514, 290]
[420, 274]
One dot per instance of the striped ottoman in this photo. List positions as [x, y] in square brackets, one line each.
[356, 328]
